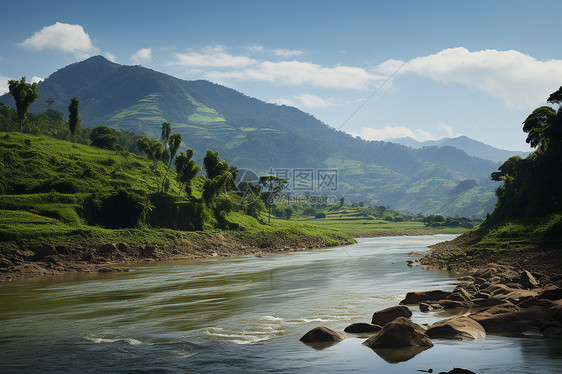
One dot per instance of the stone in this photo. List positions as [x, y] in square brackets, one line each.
[454, 304]
[423, 296]
[459, 294]
[457, 371]
[527, 280]
[322, 334]
[384, 316]
[456, 328]
[428, 307]
[5, 263]
[399, 333]
[492, 301]
[361, 327]
[44, 251]
[519, 295]
[551, 293]
[514, 320]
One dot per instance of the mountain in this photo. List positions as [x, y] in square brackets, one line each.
[470, 146]
[250, 133]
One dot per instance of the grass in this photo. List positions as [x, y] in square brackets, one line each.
[351, 223]
[525, 231]
[45, 183]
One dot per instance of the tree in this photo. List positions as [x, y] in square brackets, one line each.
[272, 186]
[174, 144]
[103, 137]
[153, 150]
[213, 165]
[165, 136]
[73, 117]
[24, 94]
[186, 170]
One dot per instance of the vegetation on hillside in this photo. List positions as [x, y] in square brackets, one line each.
[529, 205]
[253, 134]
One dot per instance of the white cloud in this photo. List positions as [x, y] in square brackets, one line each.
[60, 36]
[110, 57]
[395, 132]
[35, 79]
[511, 76]
[447, 130]
[142, 55]
[287, 52]
[4, 84]
[211, 57]
[300, 73]
[283, 101]
[254, 48]
[390, 132]
[304, 100]
[307, 100]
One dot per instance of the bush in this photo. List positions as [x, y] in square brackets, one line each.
[320, 215]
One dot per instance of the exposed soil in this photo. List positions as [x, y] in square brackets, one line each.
[465, 253]
[19, 260]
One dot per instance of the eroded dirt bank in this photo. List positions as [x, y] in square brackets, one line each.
[20, 260]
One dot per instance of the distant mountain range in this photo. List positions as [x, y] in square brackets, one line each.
[250, 133]
[470, 146]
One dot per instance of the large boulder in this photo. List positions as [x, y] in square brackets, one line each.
[456, 328]
[322, 334]
[384, 316]
[361, 327]
[400, 333]
[513, 320]
[424, 296]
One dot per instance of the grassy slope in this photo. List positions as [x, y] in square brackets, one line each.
[30, 219]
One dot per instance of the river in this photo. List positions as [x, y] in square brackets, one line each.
[242, 315]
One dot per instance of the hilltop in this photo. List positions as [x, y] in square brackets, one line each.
[260, 136]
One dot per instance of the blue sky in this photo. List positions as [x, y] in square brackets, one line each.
[426, 69]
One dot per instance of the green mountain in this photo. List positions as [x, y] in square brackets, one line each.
[250, 133]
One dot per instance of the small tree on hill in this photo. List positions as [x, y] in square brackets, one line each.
[186, 170]
[174, 144]
[24, 94]
[272, 186]
[73, 117]
[165, 137]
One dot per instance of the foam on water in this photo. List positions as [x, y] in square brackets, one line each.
[99, 340]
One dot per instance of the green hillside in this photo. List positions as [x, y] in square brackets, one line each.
[54, 192]
[260, 136]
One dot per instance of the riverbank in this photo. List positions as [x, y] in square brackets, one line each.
[95, 254]
[466, 253]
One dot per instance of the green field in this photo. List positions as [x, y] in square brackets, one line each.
[349, 222]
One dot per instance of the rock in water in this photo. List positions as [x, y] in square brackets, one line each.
[423, 296]
[362, 327]
[457, 328]
[400, 333]
[322, 334]
[384, 316]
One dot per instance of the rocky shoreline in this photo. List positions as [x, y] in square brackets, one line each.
[23, 261]
[466, 252]
[491, 299]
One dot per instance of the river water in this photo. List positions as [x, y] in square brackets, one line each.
[242, 315]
